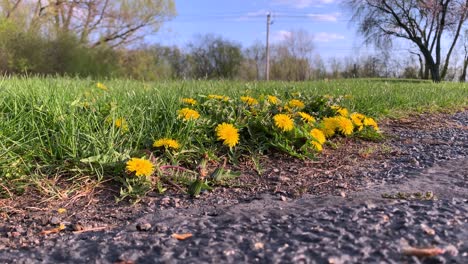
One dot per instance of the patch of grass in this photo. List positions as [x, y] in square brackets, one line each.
[66, 130]
[427, 196]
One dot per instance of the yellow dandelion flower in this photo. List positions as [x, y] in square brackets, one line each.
[306, 117]
[249, 100]
[167, 143]
[284, 122]
[228, 133]
[345, 125]
[318, 135]
[317, 146]
[294, 103]
[329, 125]
[273, 100]
[188, 114]
[189, 101]
[218, 97]
[369, 121]
[343, 112]
[357, 119]
[102, 86]
[121, 123]
[141, 167]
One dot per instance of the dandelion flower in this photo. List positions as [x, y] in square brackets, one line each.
[317, 146]
[369, 121]
[318, 135]
[228, 133]
[283, 122]
[167, 143]
[218, 97]
[357, 118]
[121, 123]
[189, 101]
[273, 100]
[294, 103]
[188, 114]
[249, 100]
[306, 117]
[141, 167]
[343, 112]
[102, 86]
[329, 125]
[344, 125]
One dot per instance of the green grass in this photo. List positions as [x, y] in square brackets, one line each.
[61, 129]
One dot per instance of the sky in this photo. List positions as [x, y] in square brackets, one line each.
[244, 22]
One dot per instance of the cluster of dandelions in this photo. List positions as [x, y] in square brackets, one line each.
[286, 118]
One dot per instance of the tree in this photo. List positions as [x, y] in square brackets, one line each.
[291, 57]
[462, 77]
[255, 54]
[422, 22]
[97, 22]
[214, 57]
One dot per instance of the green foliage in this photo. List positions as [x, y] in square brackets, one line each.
[28, 52]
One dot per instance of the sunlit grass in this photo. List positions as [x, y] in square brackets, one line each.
[50, 127]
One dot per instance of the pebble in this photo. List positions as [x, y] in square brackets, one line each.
[54, 220]
[143, 226]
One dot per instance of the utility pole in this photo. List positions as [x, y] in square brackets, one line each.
[267, 68]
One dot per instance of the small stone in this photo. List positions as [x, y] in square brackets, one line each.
[283, 198]
[19, 229]
[342, 185]
[161, 228]
[259, 245]
[15, 234]
[452, 250]
[342, 194]
[54, 220]
[143, 226]
[176, 202]
[78, 227]
[428, 230]
[283, 179]
[165, 201]
[276, 170]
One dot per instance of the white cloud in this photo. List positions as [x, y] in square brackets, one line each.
[333, 17]
[256, 14]
[300, 4]
[327, 37]
[280, 35]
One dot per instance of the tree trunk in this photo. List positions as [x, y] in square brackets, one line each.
[421, 67]
[463, 75]
[435, 73]
[426, 72]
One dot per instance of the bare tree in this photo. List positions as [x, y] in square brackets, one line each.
[462, 77]
[291, 57]
[423, 22]
[256, 54]
[7, 7]
[111, 22]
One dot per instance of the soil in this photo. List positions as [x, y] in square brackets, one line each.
[358, 202]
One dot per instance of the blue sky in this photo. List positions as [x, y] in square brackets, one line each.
[245, 22]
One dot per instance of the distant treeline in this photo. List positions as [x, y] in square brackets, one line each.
[206, 57]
